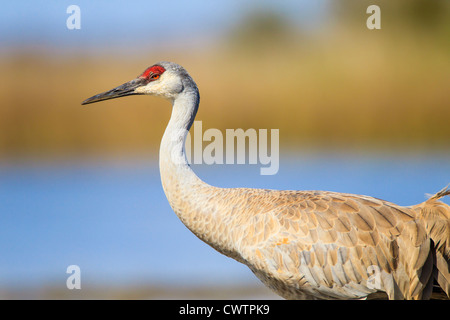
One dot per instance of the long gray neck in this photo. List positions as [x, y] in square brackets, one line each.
[198, 205]
[175, 170]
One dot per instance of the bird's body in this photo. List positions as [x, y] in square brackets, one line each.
[301, 244]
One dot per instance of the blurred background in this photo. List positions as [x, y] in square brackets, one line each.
[359, 111]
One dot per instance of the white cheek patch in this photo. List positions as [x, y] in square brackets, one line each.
[168, 85]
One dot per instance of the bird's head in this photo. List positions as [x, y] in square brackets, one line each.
[165, 79]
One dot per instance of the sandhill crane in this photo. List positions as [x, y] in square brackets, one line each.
[301, 244]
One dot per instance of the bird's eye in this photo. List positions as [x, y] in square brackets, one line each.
[155, 76]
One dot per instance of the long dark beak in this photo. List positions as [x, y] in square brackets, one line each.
[125, 89]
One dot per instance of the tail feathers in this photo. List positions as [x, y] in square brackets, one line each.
[436, 217]
[444, 192]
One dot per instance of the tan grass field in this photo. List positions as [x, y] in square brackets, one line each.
[356, 91]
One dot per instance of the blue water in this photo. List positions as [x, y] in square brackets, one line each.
[112, 219]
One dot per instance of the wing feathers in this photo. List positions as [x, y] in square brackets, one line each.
[341, 239]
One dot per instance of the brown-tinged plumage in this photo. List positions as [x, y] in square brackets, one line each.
[301, 244]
